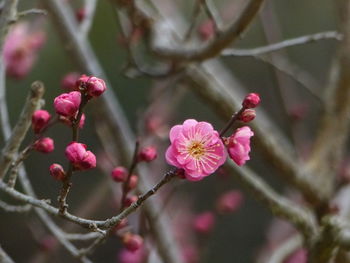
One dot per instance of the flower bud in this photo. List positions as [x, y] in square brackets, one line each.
[229, 202]
[251, 100]
[119, 174]
[134, 179]
[81, 159]
[95, 86]
[204, 222]
[132, 242]
[67, 104]
[40, 119]
[206, 29]
[69, 81]
[247, 115]
[57, 171]
[147, 154]
[44, 145]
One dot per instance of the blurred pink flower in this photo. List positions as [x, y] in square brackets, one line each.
[127, 256]
[197, 148]
[238, 145]
[204, 222]
[20, 49]
[299, 256]
[229, 202]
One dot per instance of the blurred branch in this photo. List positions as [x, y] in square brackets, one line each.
[109, 107]
[180, 53]
[7, 16]
[283, 44]
[89, 8]
[301, 217]
[33, 11]
[12, 145]
[4, 258]
[328, 150]
[82, 237]
[213, 14]
[14, 208]
[284, 250]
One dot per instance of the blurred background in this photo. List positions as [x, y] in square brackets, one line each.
[236, 237]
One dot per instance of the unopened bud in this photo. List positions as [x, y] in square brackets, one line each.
[247, 115]
[251, 100]
[44, 145]
[57, 171]
[147, 154]
[119, 174]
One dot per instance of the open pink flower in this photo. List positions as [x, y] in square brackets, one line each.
[238, 145]
[197, 148]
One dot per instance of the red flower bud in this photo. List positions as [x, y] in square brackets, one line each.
[119, 174]
[40, 119]
[57, 172]
[147, 154]
[67, 104]
[44, 145]
[251, 100]
[132, 242]
[95, 86]
[247, 115]
[80, 157]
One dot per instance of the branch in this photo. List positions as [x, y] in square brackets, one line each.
[285, 249]
[206, 51]
[109, 107]
[301, 217]
[14, 208]
[8, 15]
[4, 258]
[283, 44]
[11, 148]
[90, 8]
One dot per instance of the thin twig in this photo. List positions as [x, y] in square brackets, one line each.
[194, 18]
[11, 148]
[211, 49]
[82, 237]
[33, 11]
[283, 44]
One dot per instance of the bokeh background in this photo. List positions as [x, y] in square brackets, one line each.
[237, 237]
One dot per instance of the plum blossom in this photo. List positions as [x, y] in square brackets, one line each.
[196, 148]
[81, 159]
[20, 49]
[238, 145]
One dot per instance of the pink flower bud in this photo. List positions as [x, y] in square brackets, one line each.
[238, 145]
[47, 243]
[134, 179]
[40, 119]
[80, 14]
[204, 222]
[119, 174]
[132, 242]
[57, 171]
[81, 159]
[129, 200]
[147, 154]
[299, 256]
[44, 145]
[69, 81]
[229, 202]
[95, 86]
[251, 100]
[67, 104]
[247, 115]
[81, 82]
[127, 256]
[82, 121]
[206, 29]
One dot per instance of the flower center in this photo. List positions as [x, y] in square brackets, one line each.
[196, 149]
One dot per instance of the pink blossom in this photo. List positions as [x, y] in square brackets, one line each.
[80, 157]
[44, 145]
[238, 145]
[119, 174]
[57, 171]
[40, 119]
[229, 201]
[299, 256]
[127, 256]
[252, 100]
[20, 49]
[207, 29]
[134, 179]
[197, 148]
[147, 154]
[69, 81]
[67, 104]
[204, 222]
